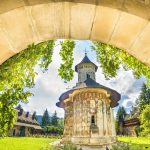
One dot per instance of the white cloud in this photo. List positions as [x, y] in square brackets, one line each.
[127, 103]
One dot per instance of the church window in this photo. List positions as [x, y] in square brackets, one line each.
[93, 120]
[88, 76]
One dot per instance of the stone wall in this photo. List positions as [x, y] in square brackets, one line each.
[16, 131]
[89, 118]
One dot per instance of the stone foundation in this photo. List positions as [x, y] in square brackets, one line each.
[89, 118]
[93, 141]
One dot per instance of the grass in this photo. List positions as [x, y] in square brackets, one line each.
[30, 143]
[25, 143]
[136, 143]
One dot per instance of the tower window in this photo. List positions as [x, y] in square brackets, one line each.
[93, 120]
[88, 76]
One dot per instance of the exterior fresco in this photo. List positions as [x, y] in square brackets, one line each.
[88, 109]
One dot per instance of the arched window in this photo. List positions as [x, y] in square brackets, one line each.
[87, 76]
[93, 120]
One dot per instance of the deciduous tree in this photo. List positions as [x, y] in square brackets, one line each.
[17, 76]
[145, 121]
[112, 58]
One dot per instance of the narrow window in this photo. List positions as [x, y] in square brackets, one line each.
[88, 76]
[93, 120]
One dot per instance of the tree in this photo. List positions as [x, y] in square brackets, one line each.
[61, 122]
[17, 76]
[112, 58]
[144, 97]
[120, 117]
[121, 113]
[145, 121]
[54, 119]
[66, 53]
[45, 119]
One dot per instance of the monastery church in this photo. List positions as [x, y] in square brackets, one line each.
[88, 109]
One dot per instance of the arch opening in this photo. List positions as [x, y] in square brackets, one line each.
[122, 24]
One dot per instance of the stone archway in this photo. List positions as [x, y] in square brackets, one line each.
[123, 23]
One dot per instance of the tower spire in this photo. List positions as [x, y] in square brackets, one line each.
[85, 52]
[85, 69]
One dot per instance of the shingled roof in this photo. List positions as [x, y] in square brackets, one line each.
[86, 60]
[26, 119]
[90, 83]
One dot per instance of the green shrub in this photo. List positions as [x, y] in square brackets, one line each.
[54, 130]
[121, 147]
[68, 146]
[127, 146]
[145, 121]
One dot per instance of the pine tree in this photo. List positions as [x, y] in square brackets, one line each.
[121, 113]
[144, 98]
[120, 117]
[54, 119]
[45, 119]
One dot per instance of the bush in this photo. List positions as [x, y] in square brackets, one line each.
[121, 147]
[54, 130]
[145, 121]
[68, 146]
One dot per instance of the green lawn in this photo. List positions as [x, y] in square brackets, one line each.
[24, 143]
[137, 143]
[28, 143]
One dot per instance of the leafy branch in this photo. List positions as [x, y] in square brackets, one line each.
[17, 75]
[66, 53]
[111, 58]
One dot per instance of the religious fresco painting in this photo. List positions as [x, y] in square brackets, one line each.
[89, 118]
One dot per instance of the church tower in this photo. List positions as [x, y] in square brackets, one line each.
[85, 69]
[88, 110]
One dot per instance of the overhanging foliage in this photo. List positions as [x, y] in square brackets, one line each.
[17, 76]
[112, 58]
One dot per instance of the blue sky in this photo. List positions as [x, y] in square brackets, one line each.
[49, 85]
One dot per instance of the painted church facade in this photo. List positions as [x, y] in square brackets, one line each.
[88, 109]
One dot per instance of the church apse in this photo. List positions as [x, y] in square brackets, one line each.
[88, 109]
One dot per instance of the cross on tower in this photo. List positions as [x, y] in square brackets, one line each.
[85, 52]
